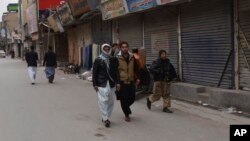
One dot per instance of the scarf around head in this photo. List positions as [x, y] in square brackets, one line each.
[104, 55]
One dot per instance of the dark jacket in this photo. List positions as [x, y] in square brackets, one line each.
[31, 58]
[50, 59]
[163, 70]
[100, 72]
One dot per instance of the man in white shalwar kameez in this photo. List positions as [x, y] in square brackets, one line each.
[31, 59]
[105, 82]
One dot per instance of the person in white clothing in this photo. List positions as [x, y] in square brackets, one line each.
[105, 82]
[31, 59]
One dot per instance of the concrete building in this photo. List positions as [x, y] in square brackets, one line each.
[11, 23]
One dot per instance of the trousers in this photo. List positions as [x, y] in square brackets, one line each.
[127, 97]
[161, 89]
[32, 73]
[106, 100]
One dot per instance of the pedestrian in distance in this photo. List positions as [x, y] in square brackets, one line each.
[31, 58]
[50, 63]
[105, 82]
[129, 78]
[163, 73]
[12, 53]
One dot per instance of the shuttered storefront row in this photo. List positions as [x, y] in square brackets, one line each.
[244, 51]
[161, 33]
[206, 27]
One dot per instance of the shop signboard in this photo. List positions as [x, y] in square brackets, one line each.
[113, 8]
[55, 23]
[48, 4]
[31, 13]
[139, 5]
[12, 7]
[79, 7]
[161, 2]
[65, 14]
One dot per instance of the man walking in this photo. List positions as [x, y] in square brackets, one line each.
[31, 59]
[51, 64]
[105, 79]
[163, 73]
[128, 70]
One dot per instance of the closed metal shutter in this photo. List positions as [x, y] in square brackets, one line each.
[244, 51]
[161, 33]
[101, 30]
[130, 30]
[206, 27]
[61, 47]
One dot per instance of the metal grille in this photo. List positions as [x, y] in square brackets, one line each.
[130, 30]
[101, 30]
[244, 51]
[207, 42]
[161, 33]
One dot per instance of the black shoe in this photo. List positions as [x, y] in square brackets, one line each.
[50, 81]
[167, 110]
[107, 123]
[51, 78]
[148, 103]
[32, 83]
[127, 118]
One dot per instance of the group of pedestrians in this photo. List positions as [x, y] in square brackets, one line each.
[115, 72]
[49, 62]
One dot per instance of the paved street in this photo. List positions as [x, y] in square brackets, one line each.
[67, 111]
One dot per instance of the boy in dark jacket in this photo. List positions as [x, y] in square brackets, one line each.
[163, 73]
